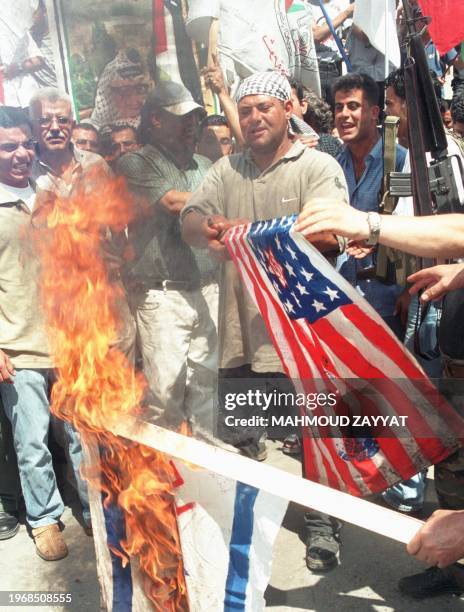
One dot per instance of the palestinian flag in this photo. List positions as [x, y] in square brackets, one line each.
[447, 25]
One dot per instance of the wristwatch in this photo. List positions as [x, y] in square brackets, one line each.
[374, 221]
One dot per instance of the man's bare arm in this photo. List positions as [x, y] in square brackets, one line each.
[215, 81]
[435, 282]
[209, 232]
[434, 236]
[321, 32]
[196, 231]
[174, 201]
[7, 371]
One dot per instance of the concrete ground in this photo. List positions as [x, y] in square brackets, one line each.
[366, 580]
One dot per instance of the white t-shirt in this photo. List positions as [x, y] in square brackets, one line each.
[405, 206]
[26, 194]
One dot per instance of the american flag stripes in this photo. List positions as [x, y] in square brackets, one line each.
[329, 339]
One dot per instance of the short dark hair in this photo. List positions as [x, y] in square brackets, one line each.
[457, 108]
[318, 114]
[395, 80]
[300, 90]
[213, 121]
[113, 128]
[85, 126]
[361, 81]
[444, 106]
[12, 116]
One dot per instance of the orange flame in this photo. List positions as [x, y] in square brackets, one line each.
[96, 386]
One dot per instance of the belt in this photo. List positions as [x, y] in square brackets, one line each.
[329, 67]
[365, 273]
[166, 285]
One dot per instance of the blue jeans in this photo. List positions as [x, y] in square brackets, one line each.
[27, 406]
[408, 495]
[428, 337]
[10, 487]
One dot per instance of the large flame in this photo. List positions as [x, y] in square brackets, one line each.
[96, 386]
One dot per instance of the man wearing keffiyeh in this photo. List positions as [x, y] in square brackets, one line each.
[274, 177]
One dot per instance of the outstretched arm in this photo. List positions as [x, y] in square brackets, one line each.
[437, 281]
[434, 236]
[215, 81]
[321, 32]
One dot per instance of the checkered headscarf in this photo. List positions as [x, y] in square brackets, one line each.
[267, 84]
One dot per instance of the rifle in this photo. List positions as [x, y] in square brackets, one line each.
[434, 189]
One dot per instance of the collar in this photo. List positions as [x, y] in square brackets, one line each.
[375, 153]
[377, 150]
[298, 126]
[78, 159]
[191, 165]
[297, 149]
[7, 197]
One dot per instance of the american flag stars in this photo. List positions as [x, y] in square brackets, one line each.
[303, 290]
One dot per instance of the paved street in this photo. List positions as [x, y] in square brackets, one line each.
[366, 580]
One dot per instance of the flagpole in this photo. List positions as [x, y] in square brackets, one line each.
[355, 510]
[338, 42]
[386, 39]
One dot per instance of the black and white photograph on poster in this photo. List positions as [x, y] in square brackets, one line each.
[231, 365]
[116, 51]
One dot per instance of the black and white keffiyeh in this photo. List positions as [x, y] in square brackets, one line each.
[268, 83]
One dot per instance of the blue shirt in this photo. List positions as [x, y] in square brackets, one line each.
[364, 195]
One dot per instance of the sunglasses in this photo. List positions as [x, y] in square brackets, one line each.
[11, 147]
[47, 121]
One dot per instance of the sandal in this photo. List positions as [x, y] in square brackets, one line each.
[291, 445]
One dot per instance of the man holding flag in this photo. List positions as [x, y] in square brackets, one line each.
[272, 178]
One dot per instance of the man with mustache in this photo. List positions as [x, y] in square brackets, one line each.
[61, 168]
[60, 165]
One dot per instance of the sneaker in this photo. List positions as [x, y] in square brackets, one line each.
[49, 542]
[434, 581]
[88, 530]
[292, 445]
[255, 449]
[322, 551]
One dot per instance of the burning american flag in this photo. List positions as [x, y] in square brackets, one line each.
[329, 338]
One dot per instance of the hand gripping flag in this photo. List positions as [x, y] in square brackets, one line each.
[330, 339]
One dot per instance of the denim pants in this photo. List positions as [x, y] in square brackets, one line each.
[408, 496]
[27, 407]
[10, 487]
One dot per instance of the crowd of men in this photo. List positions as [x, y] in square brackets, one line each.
[187, 319]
